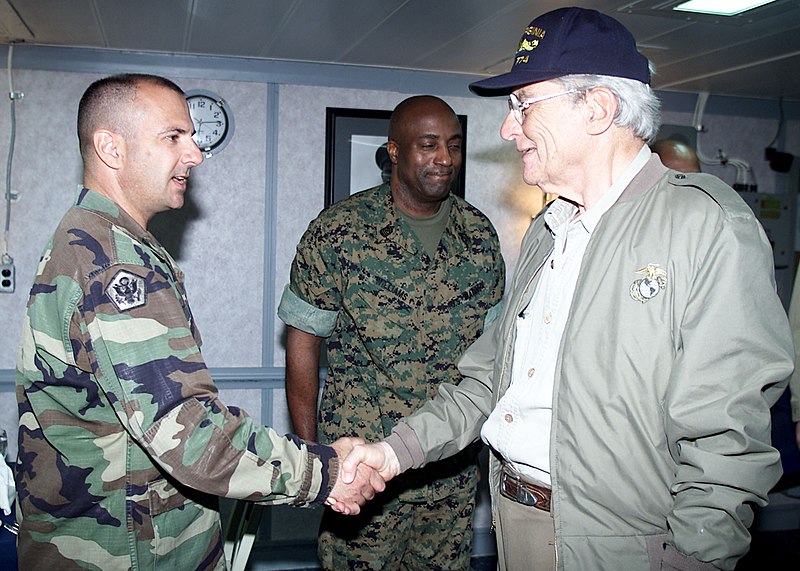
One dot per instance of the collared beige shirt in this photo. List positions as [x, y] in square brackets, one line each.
[519, 426]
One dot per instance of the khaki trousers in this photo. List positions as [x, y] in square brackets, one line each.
[525, 537]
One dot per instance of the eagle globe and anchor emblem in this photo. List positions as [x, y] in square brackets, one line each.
[647, 287]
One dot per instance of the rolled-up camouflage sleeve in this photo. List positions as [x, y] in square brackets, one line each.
[302, 315]
[146, 358]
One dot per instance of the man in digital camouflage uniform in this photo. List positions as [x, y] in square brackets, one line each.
[399, 279]
[123, 441]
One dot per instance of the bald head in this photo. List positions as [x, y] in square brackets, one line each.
[425, 147]
[676, 155]
[108, 104]
[413, 110]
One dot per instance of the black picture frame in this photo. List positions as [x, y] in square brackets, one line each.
[346, 131]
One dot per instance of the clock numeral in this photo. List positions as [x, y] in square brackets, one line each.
[212, 123]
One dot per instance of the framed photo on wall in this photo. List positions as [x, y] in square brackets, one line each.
[355, 152]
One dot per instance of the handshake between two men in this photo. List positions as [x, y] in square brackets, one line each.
[364, 470]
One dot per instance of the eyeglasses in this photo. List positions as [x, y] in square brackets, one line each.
[518, 107]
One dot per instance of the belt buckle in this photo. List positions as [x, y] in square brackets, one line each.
[519, 492]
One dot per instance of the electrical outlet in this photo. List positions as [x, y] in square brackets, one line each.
[7, 278]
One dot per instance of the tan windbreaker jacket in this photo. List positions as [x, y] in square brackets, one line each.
[660, 440]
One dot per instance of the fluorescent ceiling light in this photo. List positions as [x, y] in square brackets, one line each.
[720, 7]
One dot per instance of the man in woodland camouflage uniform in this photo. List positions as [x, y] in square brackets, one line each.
[123, 441]
[400, 279]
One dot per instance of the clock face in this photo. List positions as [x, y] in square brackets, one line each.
[213, 123]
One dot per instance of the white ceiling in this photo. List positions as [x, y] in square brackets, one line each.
[756, 54]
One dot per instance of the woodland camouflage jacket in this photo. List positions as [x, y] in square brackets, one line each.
[123, 441]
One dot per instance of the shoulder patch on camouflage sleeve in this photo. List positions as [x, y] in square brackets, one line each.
[127, 291]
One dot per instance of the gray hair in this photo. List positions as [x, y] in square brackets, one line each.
[638, 108]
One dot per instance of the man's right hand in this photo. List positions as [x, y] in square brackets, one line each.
[378, 456]
[348, 495]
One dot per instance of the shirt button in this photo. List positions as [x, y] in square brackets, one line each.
[531, 371]
[552, 264]
[548, 318]
[509, 418]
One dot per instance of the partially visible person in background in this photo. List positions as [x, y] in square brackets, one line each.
[676, 155]
[397, 280]
[124, 444]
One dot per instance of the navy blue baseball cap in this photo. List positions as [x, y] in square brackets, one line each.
[570, 41]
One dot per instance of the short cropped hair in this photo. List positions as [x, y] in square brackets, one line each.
[106, 105]
[638, 108]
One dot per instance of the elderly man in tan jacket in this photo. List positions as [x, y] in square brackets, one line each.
[625, 391]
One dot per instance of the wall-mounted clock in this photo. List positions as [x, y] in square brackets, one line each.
[213, 120]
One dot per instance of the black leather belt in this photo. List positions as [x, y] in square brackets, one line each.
[516, 489]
